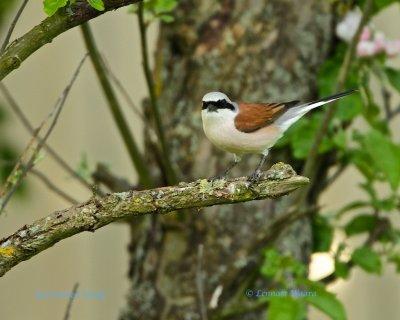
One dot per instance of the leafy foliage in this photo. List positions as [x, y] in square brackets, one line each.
[325, 301]
[52, 6]
[300, 292]
[372, 151]
[157, 9]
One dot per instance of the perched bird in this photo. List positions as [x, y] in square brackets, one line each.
[241, 128]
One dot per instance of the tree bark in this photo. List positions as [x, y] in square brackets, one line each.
[253, 51]
[96, 213]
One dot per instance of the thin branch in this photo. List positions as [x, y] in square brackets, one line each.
[55, 114]
[15, 177]
[29, 127]
[123, 91]
[102, 175]
[334, 176]
[99, 212]
[200, 282]
[70, 301]
[167, 164]
[12, 26]
[42, 177]
[116, 110]
[386, 102]
[49, 29]
[309, 166]
[394, 113]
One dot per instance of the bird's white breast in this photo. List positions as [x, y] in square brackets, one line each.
[220, 128]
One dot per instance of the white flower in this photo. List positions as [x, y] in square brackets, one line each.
[366, 49]
[346, 29]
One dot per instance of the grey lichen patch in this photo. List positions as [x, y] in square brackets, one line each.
[122, 195]
[280, 171]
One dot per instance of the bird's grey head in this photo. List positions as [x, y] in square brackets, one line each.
[215, 101]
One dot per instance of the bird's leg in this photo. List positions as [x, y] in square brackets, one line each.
[236, 160]
[256, 175]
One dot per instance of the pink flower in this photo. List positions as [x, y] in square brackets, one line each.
[392, 48]
[365, 34]
[379, 41]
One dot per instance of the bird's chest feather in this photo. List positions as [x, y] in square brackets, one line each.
[221, 130]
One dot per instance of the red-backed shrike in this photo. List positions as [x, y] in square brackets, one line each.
[240, 128]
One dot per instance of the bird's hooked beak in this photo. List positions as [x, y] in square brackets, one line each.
[209, 106]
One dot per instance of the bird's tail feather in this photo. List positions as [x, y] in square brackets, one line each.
[295, 113]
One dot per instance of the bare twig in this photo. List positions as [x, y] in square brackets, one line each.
[309, 166]
[395, 112]
[12, 26]
[99, 212]
[123, 91]
[26, 123]
[167, 164]
[40, 175]
[49, 29]
[116, 110]
[334, 176]
[14, 178]
[200, 282]
[103, 176]
[55, 114]
[70, 301]
[386, 102]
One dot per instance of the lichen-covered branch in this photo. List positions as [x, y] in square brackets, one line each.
[50, 28]
[98, 212]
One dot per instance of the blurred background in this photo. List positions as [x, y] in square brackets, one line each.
[99, 261]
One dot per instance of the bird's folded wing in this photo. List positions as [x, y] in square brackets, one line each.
[254, 116]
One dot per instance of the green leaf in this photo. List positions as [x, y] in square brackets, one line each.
[164, 6]
[393, 77]
[326, 302]
[302, 136]
[353, 206]
[285, 308]
[166, 18]
[83, 169]
[322, 234]
[360, 224]
[362, 161]
[367, 260]
[349, 107]
[341, 269]
[272, 261]
[329, 71]
[51, 6]
[340, 140]
[97, 4]
[385, 156]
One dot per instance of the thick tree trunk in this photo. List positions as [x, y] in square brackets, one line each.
[254, 51]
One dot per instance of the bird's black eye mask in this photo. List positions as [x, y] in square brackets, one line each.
[213, 106]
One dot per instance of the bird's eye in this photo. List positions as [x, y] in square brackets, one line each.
[204, 105]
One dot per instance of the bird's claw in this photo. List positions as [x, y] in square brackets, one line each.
[255, 177]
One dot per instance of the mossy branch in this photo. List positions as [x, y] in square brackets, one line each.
[99, 212]
[50, 28]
